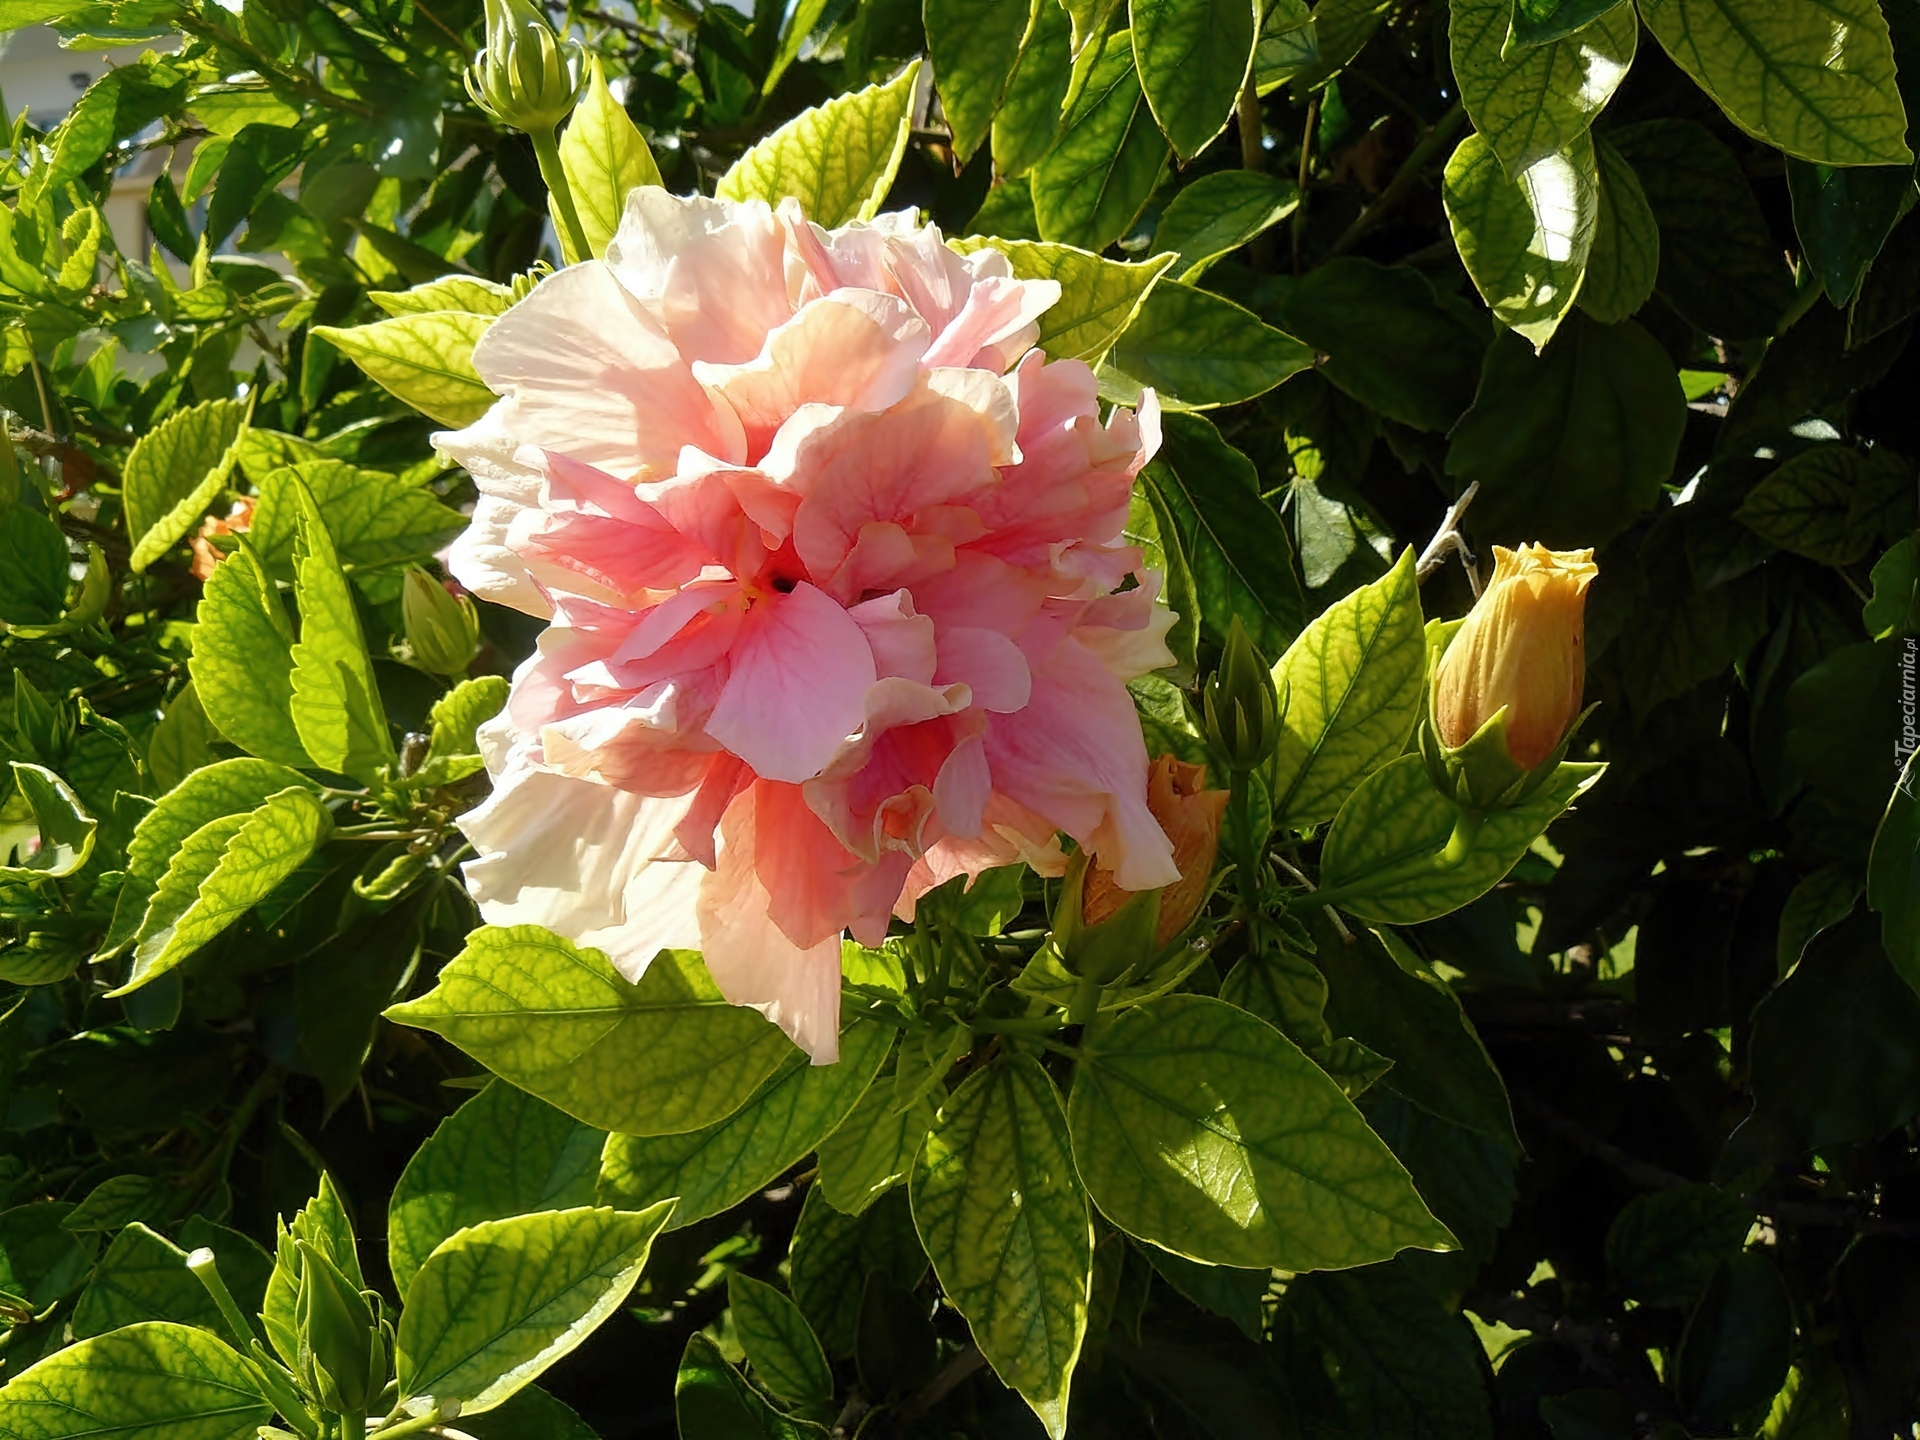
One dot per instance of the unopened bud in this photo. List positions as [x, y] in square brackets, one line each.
[44, 728]
[443, 631]
[1190, 813]
[1240, 704]
[336, 1334]
[1506, 687]
[527, 76]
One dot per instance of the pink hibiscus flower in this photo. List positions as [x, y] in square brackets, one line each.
[840, 604]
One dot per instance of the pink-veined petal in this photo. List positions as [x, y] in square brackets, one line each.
[799, 674]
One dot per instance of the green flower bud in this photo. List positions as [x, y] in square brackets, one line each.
[45, 728]
[337, 1336]
[1241, 707]
[527, 76]
[443, 632]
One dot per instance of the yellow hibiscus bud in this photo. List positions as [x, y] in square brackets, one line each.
[1521, 649]
[1190, 813]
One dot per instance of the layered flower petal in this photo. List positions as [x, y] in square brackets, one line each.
[840, 609]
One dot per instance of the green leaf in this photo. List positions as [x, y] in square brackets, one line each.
[781, 1347]
[41, 1261]
[604, 156]
[183, 740]
[1209, 1133]
[1831, 1057]
[425, 360]
[664, 1057]
[1571, 446]
[1893, 875]
[1524, 241]
[532, 1414]
[1816, 81]
[1288, 45]
[1004, 1219]
[1378, 861]
[1624, 262]
[832, 1255]
[116, 1201]
[715, 1168]
[1198, 350]
[974, 45]
[1662, 1248]
[1737, 1344]
[143, 1276]
[242, 662]
[1193, 57]
[712, 1402]
[1540, 22]
[1098, 300]
[64, 831]
[175, 471]
[466, 293]
[1390, 341]
[1895, 606]
[1233, 545]
[33, 567]
[838, 159]
[221, 871]
[1843, 217]
[372, 517]
[1379, 995]
[453, 750]
[872, 1149]
[503, 1153]
[1395, 1353]
[1826, 897]
[1233, 1294]
[1354, 681]
[1534, 102]
[1029, 118]
[1219, 213]
[336, 701]
[497, 1303]
[1720, 266]
[226, 787]
[1826, 502]
[159, 1380]
[1095, 181]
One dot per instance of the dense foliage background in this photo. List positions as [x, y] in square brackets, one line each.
[1647, 277]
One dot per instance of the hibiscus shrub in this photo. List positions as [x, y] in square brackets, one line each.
[867, 718]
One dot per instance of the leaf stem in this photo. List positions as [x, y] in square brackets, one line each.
[547, 152]
[395, 1429]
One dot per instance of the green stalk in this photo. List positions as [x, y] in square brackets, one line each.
[1246, 869]
[1085, 1004]
[207, 1271]
[547, 152]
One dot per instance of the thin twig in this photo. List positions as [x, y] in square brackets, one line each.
[1403, 180]
[1448, 540]
[1332, 914]
[1306, 168]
